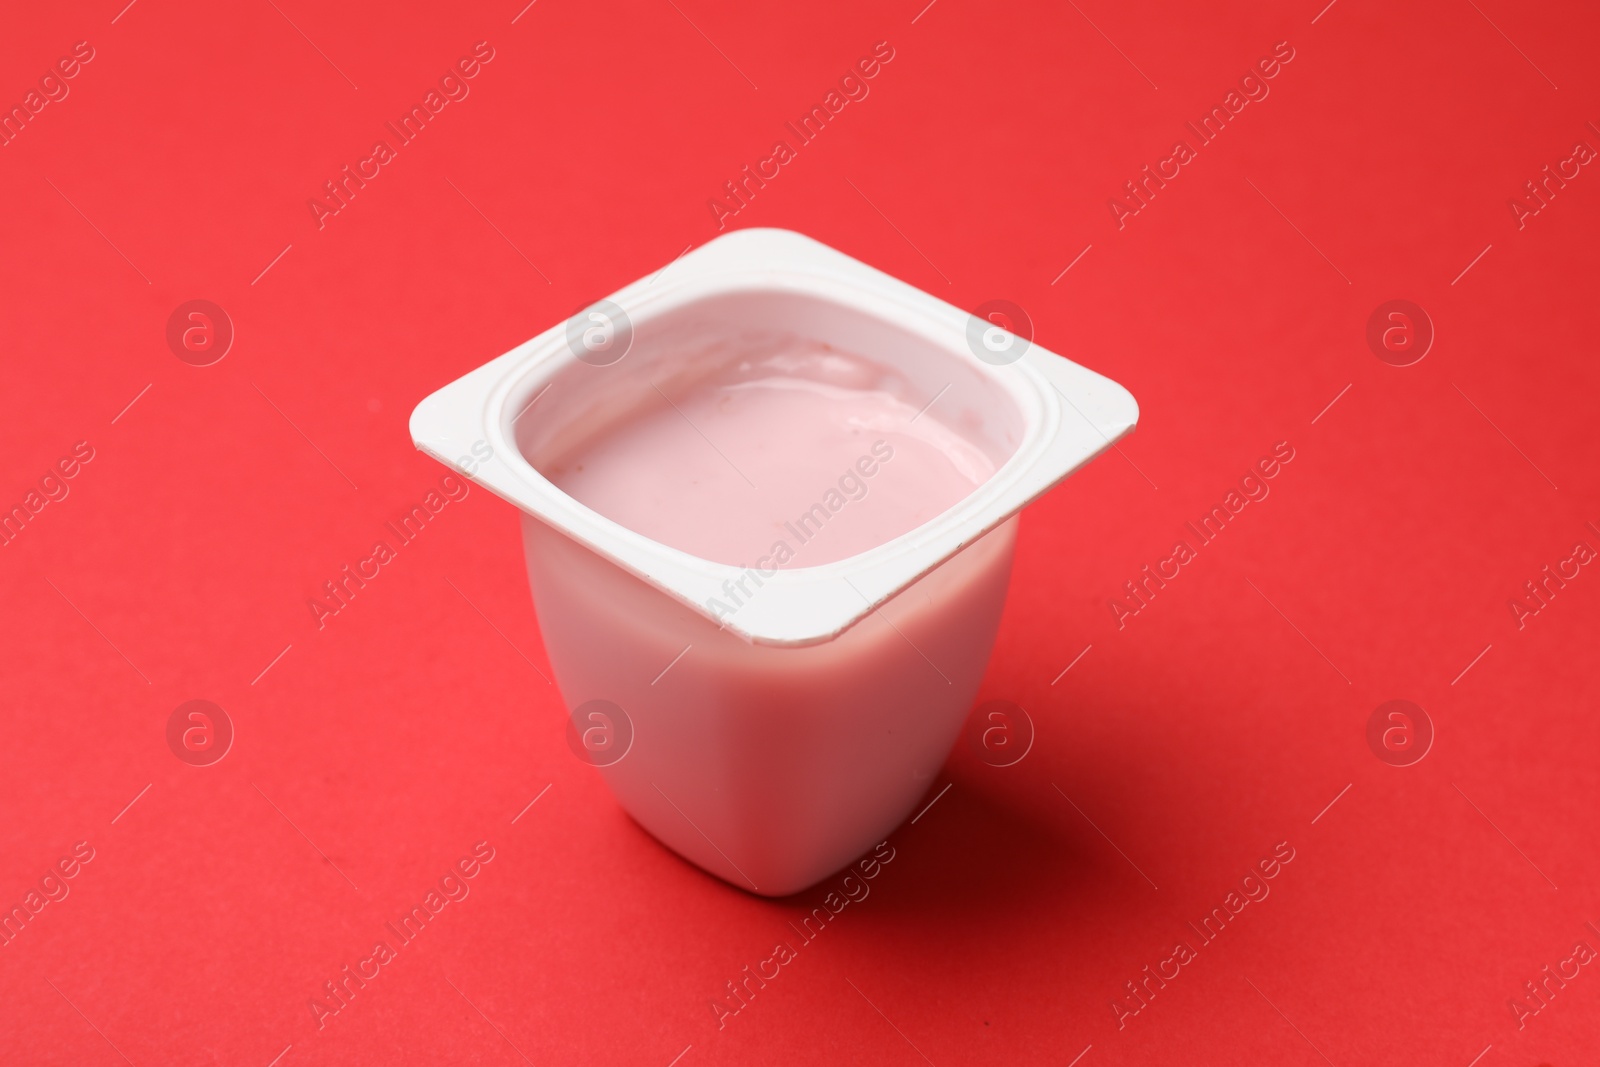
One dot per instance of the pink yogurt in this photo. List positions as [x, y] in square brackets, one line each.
[794, 458]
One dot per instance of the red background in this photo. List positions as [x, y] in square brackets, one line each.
[1220, 721]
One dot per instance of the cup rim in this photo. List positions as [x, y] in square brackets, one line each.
[1069, 415]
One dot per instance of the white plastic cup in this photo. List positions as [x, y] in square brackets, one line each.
[774, 743]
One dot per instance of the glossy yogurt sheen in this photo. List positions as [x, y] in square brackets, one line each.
[800, 457]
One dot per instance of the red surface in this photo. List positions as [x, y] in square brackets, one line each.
[1219, 722]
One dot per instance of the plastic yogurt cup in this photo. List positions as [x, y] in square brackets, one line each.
[770, 499]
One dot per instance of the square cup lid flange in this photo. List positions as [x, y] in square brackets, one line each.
[1069, 415]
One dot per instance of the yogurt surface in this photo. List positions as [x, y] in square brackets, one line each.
[799, 457]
